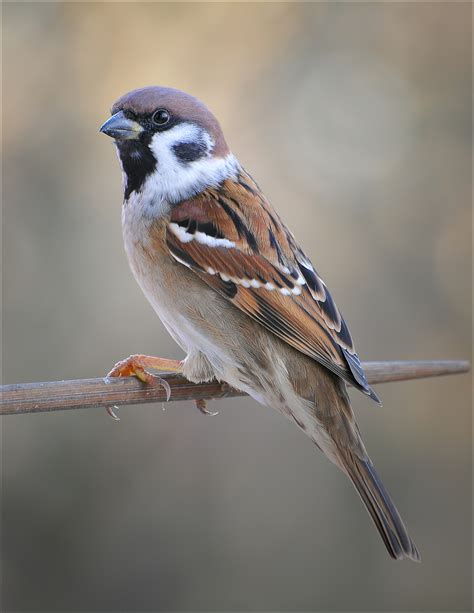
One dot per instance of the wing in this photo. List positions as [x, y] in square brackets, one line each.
[235, 242]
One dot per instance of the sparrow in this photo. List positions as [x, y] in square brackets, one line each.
[233, 288]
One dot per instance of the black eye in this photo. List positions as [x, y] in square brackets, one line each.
[161, 117]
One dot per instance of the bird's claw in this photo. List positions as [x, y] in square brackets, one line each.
[202, 406]
[113, 415]
[131, 368]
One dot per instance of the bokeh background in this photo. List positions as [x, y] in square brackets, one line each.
[355, 119]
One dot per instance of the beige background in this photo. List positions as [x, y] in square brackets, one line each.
[355, 119]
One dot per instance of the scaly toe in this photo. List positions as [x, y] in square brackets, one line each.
[124, 368]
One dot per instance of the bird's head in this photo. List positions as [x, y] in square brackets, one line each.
[170, 145]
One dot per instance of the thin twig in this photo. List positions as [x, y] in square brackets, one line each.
[87, 393]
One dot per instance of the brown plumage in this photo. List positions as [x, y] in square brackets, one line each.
[305, 315]
[231, 285]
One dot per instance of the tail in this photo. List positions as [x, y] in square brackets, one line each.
[331, 424]
[386, 518]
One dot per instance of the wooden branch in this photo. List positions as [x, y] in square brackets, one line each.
[87, 393]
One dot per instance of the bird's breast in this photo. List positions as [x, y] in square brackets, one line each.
[143, 238]
[172, 290]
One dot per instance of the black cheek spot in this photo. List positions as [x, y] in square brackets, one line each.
[190, 152]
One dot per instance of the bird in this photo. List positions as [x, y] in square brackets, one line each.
[233, 288]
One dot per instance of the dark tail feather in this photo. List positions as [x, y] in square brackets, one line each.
[381, 508]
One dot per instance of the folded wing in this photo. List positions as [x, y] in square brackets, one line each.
[236, 243]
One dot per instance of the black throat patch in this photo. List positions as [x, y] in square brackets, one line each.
[138, 162]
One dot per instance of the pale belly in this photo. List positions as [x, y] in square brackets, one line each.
[176, 294]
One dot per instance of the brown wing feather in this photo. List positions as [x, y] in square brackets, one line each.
[238, 245]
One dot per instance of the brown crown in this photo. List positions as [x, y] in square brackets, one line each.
[145, 100]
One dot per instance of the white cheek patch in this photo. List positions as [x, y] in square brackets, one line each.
[175, 180]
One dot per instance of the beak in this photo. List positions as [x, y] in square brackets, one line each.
[121, 128]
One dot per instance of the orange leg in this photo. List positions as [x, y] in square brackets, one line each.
[137, 365]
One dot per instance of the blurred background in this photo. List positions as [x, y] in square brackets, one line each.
[355, 120]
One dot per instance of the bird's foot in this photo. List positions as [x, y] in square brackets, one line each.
[137, 365]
